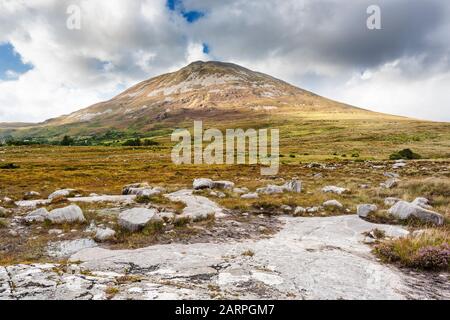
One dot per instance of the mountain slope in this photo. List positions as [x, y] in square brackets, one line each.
[226, 95]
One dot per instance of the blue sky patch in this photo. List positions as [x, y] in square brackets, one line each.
[190, 16]
[11, 61]
[206, 49]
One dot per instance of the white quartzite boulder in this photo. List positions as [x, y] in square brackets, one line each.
[136, 218]
[202, 183]
[61, 193]
[104, 234]
[332, 204]
[404, 210]
[72, 213]
[334, 189]
[39, 215]
[363, 210]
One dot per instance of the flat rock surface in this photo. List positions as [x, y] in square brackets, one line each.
[310, 258]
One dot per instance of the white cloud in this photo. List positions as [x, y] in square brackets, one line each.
[320, 45]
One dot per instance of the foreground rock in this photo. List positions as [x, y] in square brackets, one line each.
[404, 210]
[70, 214]
[137, 218]
[63, 249]
[311, 258]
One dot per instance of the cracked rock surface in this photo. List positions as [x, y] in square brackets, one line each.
[310, 258]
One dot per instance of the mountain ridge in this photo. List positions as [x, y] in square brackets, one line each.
[214, 91]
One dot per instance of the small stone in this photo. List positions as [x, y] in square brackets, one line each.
[136, 218]
[250, 196]
[299, 210]
[39, 215]
[202, 183]
[334, 189]
[104, 234]
[391, 183]
[61, 193]
[55, 231]
[333, 204]
[286, 208]
[70, 214]
[422, 202]
[363, 210]
[390, 201]
[224, 185]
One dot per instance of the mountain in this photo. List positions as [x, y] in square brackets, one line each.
[226, 95]
[214, 91]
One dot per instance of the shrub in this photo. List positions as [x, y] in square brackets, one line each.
[406, 154]
[9, 166]
[67, 141]
[132, 143]
[433, 258]
[428, 251]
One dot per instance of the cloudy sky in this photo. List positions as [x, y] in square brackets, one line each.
[47, 69]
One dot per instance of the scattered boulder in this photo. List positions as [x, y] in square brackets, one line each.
[31, 194]
[290, 186]
[39, 215]
[390, 201]
[70, 214]
[55, 231]
[318, 176]
[363, 210]
[240, 190]
[224, 185]
[134, 188]
[299, 210]
[315, 165]
[104, 234]
[146, 192]
[392, 175]
[390, 183]
[404, 210]
[334, 189]
[332, 204]
[398, 165]
[286, 208]
[137, 218]
[7, 200]
[312, 209]
[217, 194]
[422, 202]
[202, 183]
[364, 186]
[250, 196]
[197, 207]
[61, 193]
[3, 212]
[293, 186]
[271, 189]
